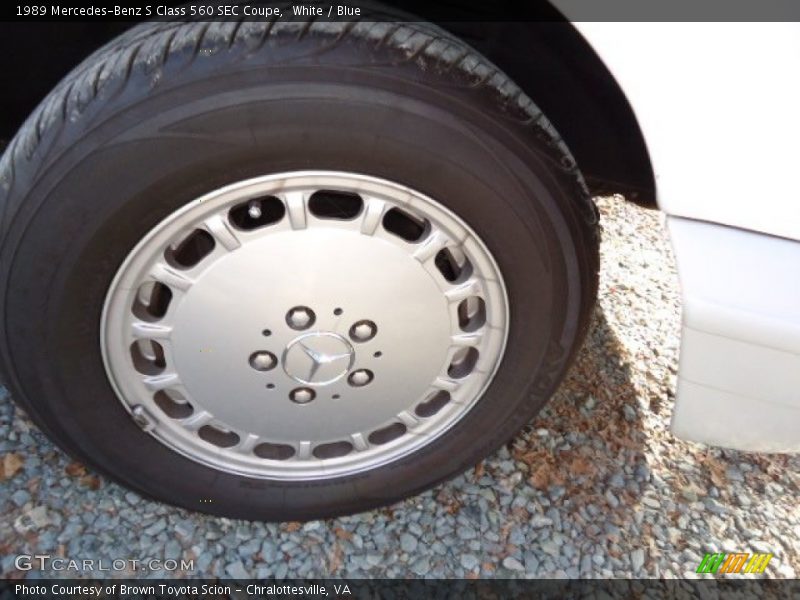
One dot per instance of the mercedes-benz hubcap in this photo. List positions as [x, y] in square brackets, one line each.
[318, 358]
[304, 325]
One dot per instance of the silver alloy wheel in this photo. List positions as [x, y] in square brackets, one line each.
[304, 325]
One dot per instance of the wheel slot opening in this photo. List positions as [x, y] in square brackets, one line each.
[471, 314]
[190, 250]
[453, 264]
[218, 437]
[152, 301]
[333, 450]
[173, 404]
[463, 363]
[433, 404]
[148, 357]
[329, 204]
[387, 434]
[404, 225]
[273, 451]
[256, 213]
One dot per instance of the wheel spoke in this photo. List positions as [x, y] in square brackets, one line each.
[431, 245]
[197, 421]
[359, 443]
[467, 340]
[304, 450]
[150, 331]
[155, 383]
[170, 277]
[445, 383]
[296, 209]
[373, 212]
[409, 420]
[223, 233]
[246, 444]
[455, 294]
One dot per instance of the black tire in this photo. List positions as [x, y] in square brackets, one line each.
[171, 111]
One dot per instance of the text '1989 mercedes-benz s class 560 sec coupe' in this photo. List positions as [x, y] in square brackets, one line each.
[306, 267]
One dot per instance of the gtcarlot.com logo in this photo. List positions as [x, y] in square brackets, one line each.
[46, 562]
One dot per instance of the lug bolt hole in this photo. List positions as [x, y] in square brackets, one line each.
[302, 395]
[336, 396]
[270, 386]
[363, 331]
[337, 311]
[378, 354]
[360, 378]
[300, 317]
[263, 360]
[266, 333]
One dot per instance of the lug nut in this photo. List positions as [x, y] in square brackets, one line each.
[360, 378]
[302, 395]
[263, 360]
[363, 331]
[300, 317]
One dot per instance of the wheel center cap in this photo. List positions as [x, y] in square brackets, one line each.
[318, 358]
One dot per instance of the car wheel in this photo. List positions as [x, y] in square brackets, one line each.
[289, 271]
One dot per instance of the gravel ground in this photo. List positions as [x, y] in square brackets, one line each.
[597, 486]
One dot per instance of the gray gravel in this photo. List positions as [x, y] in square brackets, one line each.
[597, 486]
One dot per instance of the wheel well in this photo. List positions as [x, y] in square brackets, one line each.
[549, 60]
[563, 75]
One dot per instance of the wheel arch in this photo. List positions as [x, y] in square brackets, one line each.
[555, 65]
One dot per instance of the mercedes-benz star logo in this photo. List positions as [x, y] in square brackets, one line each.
[318, 358]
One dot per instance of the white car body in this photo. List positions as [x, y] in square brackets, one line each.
[719, 107]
